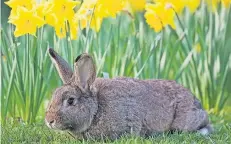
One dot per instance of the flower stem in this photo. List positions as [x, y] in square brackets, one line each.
[193, 59]
[161, 52]
[183, 29]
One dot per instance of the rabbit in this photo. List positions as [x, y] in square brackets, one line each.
[98, 108]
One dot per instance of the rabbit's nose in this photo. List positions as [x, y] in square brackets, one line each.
[51, 122]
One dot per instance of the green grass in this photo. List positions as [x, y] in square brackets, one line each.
[39, 133]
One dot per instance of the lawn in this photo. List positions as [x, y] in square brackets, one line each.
[39, 133]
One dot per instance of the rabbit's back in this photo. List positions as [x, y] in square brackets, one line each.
[142, 106]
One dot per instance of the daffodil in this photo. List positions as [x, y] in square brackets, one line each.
[26, 22]
[73, 29]
[137, 5]
[158, 16]
[109, 8]
[89, 15]
[51, 19]
[177, 5]
[226, 3]
[63, 9]
[153, 21]
[15, 4]
[45, 10]
[42, 9]
[59, 14]
[192, 5]
[62, 28]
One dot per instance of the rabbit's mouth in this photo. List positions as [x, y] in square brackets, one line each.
[70, 128]
[63, 128]
[59, 126]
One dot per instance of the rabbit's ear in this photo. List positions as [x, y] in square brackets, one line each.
[63, 68]
[84, 71]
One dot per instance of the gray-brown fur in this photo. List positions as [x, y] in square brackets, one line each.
[109, 108]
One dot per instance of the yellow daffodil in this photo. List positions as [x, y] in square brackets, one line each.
[136, 5]
[26, 22]
[153, 21]
[192, 5]
[62, 28]
[73, 29]
[226, 3]
[90, 2]
[89, 15]
[109, 8]
[50, 16]
[15, 4]
[59, 14]
[63, 9]
[42, 9]
[51, 19]
[158, 16]
[177, 5]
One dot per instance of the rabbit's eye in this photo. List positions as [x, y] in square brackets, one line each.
[70, 101]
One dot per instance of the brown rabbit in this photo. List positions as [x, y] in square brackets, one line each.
[91, 107]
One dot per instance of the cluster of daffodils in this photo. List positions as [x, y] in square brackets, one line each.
[162, 12]
[68, 16]
[28, 15]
